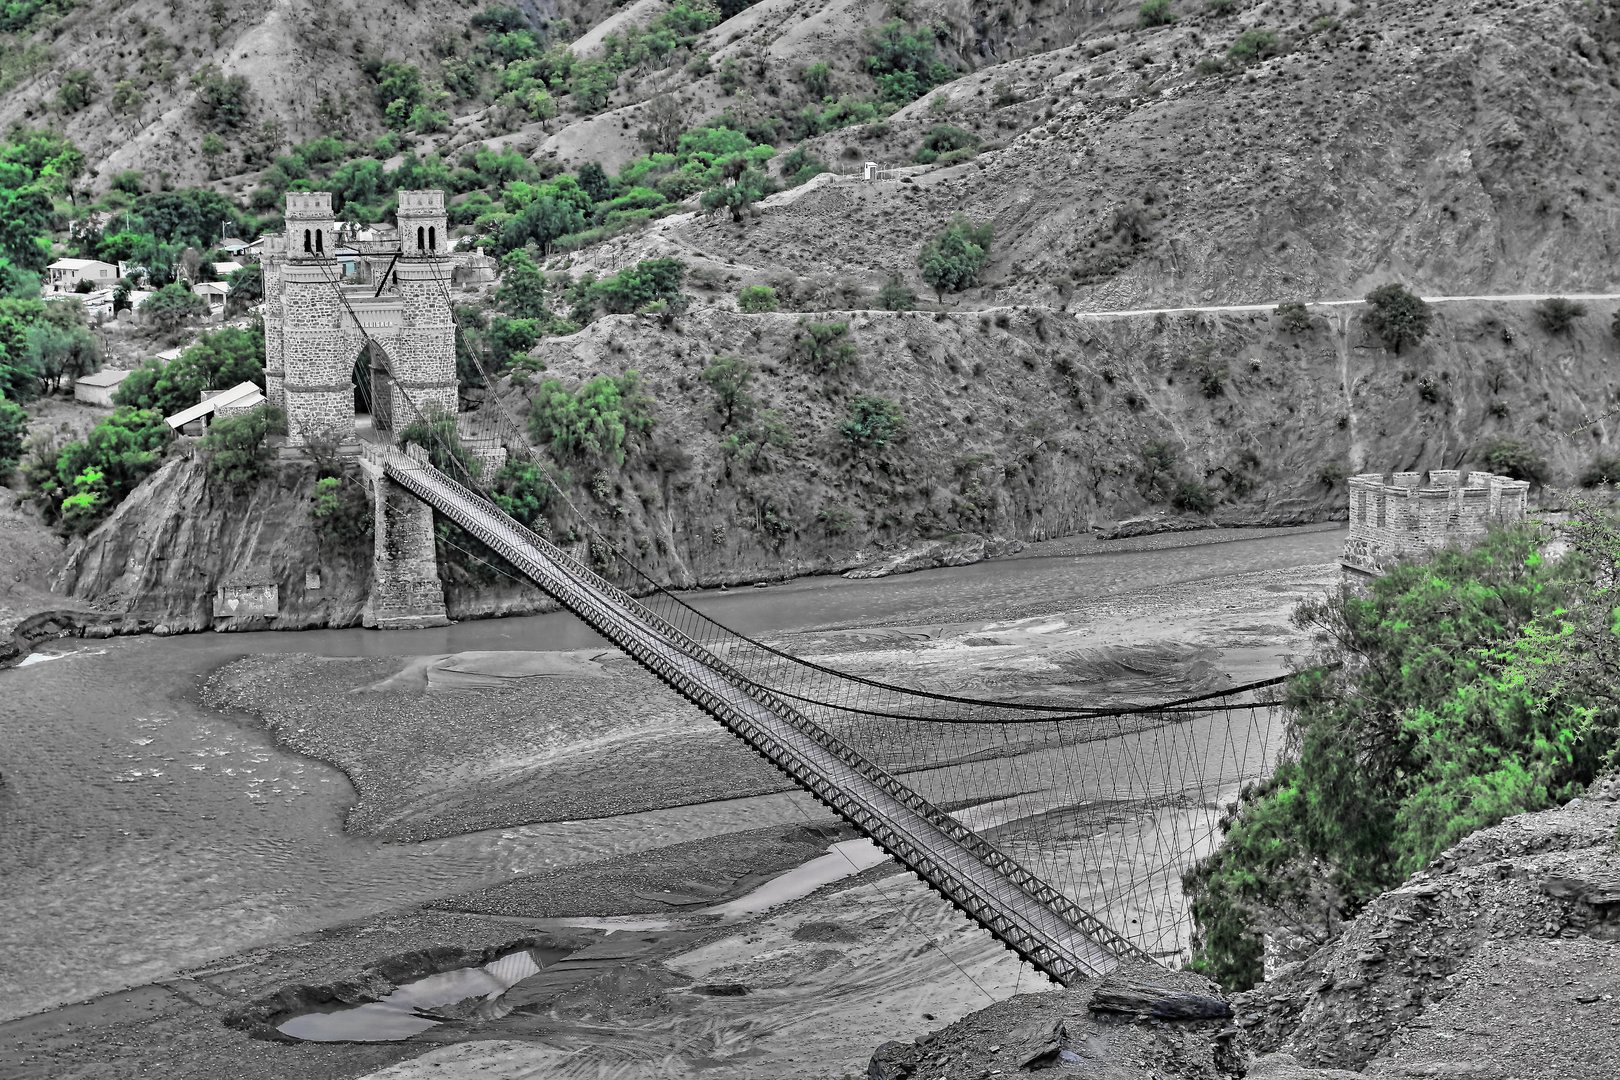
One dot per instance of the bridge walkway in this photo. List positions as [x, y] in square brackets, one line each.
[1025, 913]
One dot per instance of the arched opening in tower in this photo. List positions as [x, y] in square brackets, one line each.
[419, 238]
[362, 382]
[432, 241]
[306, 241]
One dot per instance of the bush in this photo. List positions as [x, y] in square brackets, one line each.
[1558, 314]
[13, 430]
[222, 100]
[438, 433]
[823, 345]
[817, 79]
[951, 261]
[728, 377]
[1293, 316]
[873, 423]
[1331, 473]
[894, 296]
[1156, 479]
[1192, 497]
[1605, 469]
[903, 64]
[1254, 45]
[837, 520]
[1442, 698]
[1154, 13]
[600, 420]
[217, 361]
[756, 299]
[1511, 457]
[749, 187]
[752, 444]
[341, 512]
[522, 292]
[1397, 316]
[799, 165]
[237, 448]
[93, 476]
[635, 287]
[172, 306]
[944, 139]
[523, 492]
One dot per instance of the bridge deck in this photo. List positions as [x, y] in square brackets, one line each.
[1025, 913]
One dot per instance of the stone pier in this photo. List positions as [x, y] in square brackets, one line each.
[405, 590]
[1399, 516]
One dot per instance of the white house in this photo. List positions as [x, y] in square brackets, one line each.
[65, 274]
[215, 293]
[98, 387]
[238, 399]
[226, 269]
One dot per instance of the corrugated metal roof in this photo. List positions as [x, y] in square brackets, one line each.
[203, 408]
[105, 377]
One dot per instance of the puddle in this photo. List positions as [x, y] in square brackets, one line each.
[39, 658]
[476, 991]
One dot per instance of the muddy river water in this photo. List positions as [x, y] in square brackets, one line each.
[141, 832]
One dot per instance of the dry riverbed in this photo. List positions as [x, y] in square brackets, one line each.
[442, 744]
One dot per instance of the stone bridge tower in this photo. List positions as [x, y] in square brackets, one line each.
[318, 380]
[424, 356]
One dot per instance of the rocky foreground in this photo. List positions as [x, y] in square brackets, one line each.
[1500, 961]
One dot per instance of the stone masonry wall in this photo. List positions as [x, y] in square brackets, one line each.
[1398, 516]
[405, 587]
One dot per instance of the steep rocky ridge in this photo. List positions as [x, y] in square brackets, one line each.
[1025, 424]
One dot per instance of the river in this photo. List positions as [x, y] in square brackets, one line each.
[141, 832]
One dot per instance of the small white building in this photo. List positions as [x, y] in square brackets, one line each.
[65, 274]
[215, 292]
[231, 246]
[226, 269]
[98, 387]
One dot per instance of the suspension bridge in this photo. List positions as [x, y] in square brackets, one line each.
[1061, 827]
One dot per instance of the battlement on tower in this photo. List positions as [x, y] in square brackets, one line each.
[309, 205]
[1396, 516]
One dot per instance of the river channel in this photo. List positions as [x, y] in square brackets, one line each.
[141, 832]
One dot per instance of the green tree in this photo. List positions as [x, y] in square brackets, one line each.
[873, 423]
[1558, 314]
[341, 512]
[127, 98]
[96, 474]
[246, 288]
[398, 92]
[1154, 13]
[633, 288]
[1443, 697]
[592, 85]
[756, 299]
[817, 79]
[61, 346]
[825, 346]
[894, 296]
[212, 149]
[510, 339]
[599, 420]
[903, 64]
[1397, 316]
[19, 367]
[438, 433]
[753, 442]
[13, 431]
[952, 260]
[522, 291]
[78, 89]
[172, 306]
[748, 187]
[217, 361]
[1511, 457]
[729, 377]
[238, 450]
[1254, 45]
[1294, 317]
[555, 208]
[593, 181]
[222, 101]
[523, 491]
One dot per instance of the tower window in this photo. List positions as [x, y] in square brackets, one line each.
[319, 250]
[420, 232]
[432, 240]
[306, 240]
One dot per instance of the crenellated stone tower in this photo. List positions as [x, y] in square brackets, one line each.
[424, 360]
[317, 379]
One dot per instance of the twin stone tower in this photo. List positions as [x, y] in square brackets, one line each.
[341, 311]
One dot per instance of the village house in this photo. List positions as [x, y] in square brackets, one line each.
[98, 387]
[64, 275]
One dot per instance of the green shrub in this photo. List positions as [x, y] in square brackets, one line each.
[1511, 457]
[1254, 45]
[341, 512]
[13, 431]
[894, 296]
[873, 423]
[1294, 317]
[752, 444]
[799, 165]
[836, 520]
[824, 346]
[438, 433]
[1156, 479]
[599, 420]
[634, 287]
[1443, 697]
[1558, 314]
[1154, 13]
[944, 139]
[1605, 469]
[1209, 369]
[522, 291]
[1397, 316]
[749, 187]
[523, 491]
[1220, 7]
[172, 306]
[903, 65]
[216, 361]
[1192, 497]
[756, 299]
[817, 79]
[222, 101]
[951, 261]
[94, 475]
[1331, 473]
[728, 377]
[238, 450]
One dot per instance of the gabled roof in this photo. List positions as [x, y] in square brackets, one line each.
[218, 287]
[76, 264]
[230, 243]
[236, 395]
